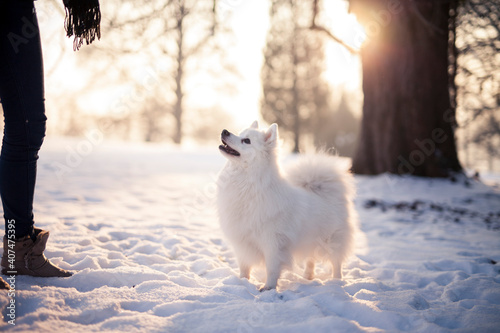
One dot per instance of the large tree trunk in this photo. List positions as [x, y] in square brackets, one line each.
[408, 121]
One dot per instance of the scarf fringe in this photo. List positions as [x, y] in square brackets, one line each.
[83, 20]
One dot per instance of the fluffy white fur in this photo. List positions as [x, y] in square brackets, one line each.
[272, 217]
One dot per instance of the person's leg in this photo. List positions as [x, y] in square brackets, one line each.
[22, 98]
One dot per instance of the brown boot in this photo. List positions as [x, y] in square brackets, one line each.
[27, 258]
[4, 284]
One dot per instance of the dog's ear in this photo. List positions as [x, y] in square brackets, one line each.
[255, 125]
[271, 134]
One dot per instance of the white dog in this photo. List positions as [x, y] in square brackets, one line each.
[271, 217]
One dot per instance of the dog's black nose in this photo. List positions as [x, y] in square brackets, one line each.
[225, 133]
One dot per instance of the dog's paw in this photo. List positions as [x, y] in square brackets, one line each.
[266, 288]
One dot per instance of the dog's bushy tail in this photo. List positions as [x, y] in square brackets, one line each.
[324, 175]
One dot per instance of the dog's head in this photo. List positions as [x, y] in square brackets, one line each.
[251, 144]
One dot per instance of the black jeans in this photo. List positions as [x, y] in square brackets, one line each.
[22, 98]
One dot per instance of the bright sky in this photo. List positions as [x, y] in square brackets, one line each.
[250, 22]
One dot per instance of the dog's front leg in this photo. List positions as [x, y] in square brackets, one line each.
[273, 269]
[244, 270]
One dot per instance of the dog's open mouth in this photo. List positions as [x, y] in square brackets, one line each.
[227, 149]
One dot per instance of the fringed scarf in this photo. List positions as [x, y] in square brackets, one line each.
[83, 18]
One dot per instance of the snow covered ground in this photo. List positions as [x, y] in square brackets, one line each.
[136, 224]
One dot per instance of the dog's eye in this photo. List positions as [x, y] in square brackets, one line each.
[247, 141]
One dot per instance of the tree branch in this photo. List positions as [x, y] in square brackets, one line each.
[315, 26]
[335, 38]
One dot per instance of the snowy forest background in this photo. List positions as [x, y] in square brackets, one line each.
[173, 71]
[127, 175]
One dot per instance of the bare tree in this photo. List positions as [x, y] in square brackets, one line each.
[408, 115]
[174, 35]
[184, 10]
[478, 76]
[294, 92]
[413, 49]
